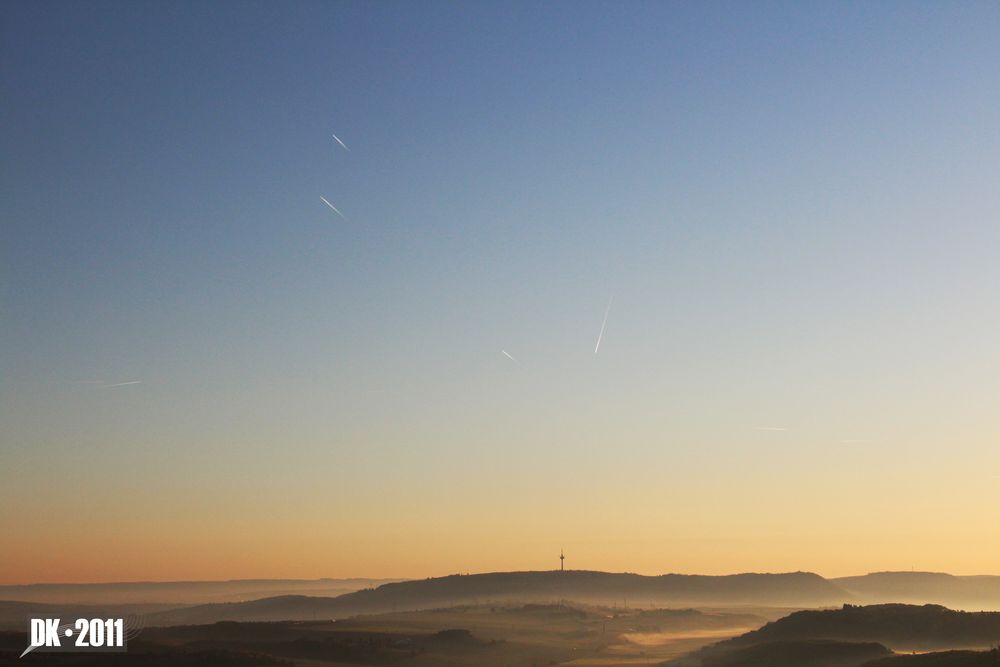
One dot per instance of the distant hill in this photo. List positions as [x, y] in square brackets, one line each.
[15, 615]
[181, 592]
[791, 589]
[972, 593]
[899, 626]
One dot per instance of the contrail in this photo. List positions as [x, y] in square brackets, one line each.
[508, 355]
[603, 324]
[335, 210]
[121, 384]
[769, 428]
[337, 139]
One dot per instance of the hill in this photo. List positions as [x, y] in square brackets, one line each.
[15, 615]
[971, 593]
[492, 635]
[899, 626]
[790, 589]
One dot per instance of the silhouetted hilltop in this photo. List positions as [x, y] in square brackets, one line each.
[791, 589]
[899, 626]
[973, 593]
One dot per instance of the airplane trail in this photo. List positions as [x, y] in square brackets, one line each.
[335, 209]
[769, 428]
[603, 324]
[122, 384]
[508, 355]
[337, 139]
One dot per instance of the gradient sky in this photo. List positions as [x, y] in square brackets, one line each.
[794, 205]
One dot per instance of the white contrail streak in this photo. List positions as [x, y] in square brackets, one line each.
[508, 355]
[122, 384]
[603, 324]
[337, 139]
[335, 209]
[769, 428]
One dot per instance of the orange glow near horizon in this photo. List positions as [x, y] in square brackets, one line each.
[192, 542]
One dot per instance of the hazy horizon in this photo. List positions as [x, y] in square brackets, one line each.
[436, 576]
[418, 577]
[207, 372]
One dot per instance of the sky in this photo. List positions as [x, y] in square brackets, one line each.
[206, 373]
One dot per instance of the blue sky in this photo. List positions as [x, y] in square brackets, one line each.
[793, 204]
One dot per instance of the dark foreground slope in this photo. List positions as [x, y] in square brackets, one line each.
[797, 589]
[820, 653]
[804, 653]
[942, 659]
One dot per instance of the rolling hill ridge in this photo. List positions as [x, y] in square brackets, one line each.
[788, 589]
